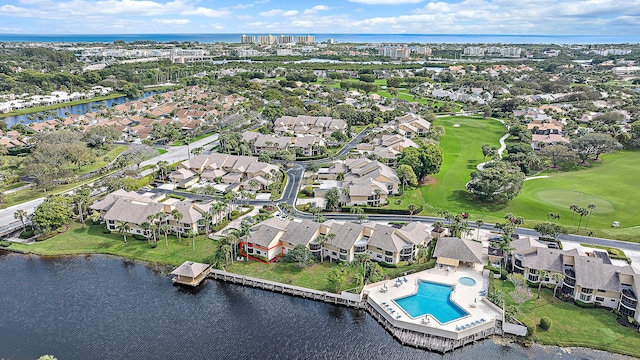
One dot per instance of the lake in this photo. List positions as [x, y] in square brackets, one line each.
[98, 307]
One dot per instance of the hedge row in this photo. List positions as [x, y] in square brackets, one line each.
[379, 210]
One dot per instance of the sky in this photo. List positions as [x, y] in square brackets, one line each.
[549, 17]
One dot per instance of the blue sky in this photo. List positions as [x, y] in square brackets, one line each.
[554, 17]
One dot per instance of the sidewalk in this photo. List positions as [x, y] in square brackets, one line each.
[235, 224]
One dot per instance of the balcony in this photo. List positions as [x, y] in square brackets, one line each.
[343, 257]
[628, 299]
[388, 260]
[315, 247]
[518, 264]
[359, 249]
[570, 273]
[569, 282]
[407, 251]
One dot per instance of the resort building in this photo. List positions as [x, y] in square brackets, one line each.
[586, 277]
[451, 251]
[322, 126]
[230, 170]
[121, 207]
[275, 237]
[361, 181]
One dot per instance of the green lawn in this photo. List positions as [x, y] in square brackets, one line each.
[313, 277]
[91, 240]
[609, 184]
[575, 326]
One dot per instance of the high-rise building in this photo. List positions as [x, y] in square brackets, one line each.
[247, 39]
[267, 40]
[285, 39]
[305, 39]
[395, 52]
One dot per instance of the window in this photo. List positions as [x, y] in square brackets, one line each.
[533, 277]
[599, 298]
[600, 290]
[587, 291]
[585, 298]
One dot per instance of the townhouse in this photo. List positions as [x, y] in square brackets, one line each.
[387, 147]
[322, 126]
[588, 277]
[134, 209]
[361, 181]
[275, 237]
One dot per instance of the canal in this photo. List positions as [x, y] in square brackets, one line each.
[97, 307]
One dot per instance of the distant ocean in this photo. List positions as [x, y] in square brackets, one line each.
[340, 38]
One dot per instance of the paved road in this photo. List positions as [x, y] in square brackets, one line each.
[6, 215]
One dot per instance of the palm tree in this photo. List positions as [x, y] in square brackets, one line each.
[582, 212]
[363, 259]
[357, 210]
[153, 227]
[422, 252]
[591, 208]
[207, 218]
[177, 216]
[192, 234]
[82, 197]
[22, 216]
[331, 236]
[558, 278]
[412, 208]
[377, 193]
[145, 226]
[320, 240]
[573, 208]
[542, 274]
[123, 228]
[166, 229]
[479, 223]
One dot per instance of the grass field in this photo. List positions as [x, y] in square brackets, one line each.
[575, 326]
[91, 240]
[609, 184]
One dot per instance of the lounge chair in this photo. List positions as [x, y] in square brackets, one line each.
[482, 320]
[384, 303]
[399, 316]
[458, 328]
[405, 279]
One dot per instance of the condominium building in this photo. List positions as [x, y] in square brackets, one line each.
[247, 39]
[395, 52]
[285, 39]
[267, 39]
[305, 39]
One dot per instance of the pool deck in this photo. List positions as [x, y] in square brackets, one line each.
[482, 317]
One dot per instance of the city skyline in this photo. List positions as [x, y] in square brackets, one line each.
[602, 17]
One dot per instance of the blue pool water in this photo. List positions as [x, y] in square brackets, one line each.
[433, 299]
[467, 281]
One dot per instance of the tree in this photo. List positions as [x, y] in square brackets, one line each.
[407, 176]
[594, 144]
[53, 213]
[300, 255]
[425, 160]
[548, 229]
[337, 279]
[573, 208]
[165, 229]
[479, 223]
[559, 154]
[582, 212]
[321, 240]
[22, 216]
[330, 237]
[412, 209]
[496, 184]
[542, 275]
[489, 151]
[177, 216]
[591, 208]
[558, 278]
[81, 198]
[123, 228]
[146, 226]
[520, 295]
[332, 199]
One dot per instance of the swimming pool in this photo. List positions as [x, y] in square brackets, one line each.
[433, 299]
[465, 280]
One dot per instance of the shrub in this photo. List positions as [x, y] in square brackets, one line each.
[26, 234]
[5, 243]
[503, 274]
[106, 230]
[387, 265]
[545, 323]
[431, 264]
[139, 237]
[585, 305]
[531, 327]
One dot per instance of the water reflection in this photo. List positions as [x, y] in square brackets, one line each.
[97, 307]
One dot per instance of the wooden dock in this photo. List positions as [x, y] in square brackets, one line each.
[431, 342]
[287, 289]
[404, 336]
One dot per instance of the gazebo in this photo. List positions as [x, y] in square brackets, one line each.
[190, 273]
[452, 251]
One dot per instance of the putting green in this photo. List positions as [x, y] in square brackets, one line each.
[565, 198]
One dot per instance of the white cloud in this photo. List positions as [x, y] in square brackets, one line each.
[316, 8]
[201, 11]
[273, 12]
[290, 13]
[172, 21]
[386, 2]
